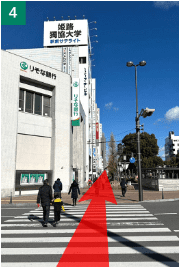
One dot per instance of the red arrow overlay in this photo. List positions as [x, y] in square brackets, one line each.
[88, 246]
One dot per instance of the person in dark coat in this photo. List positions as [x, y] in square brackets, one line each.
[45, 197]
[123, 186]
[75, 190]
[57, 187]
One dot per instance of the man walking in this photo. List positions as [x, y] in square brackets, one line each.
[123, 186]
[57, 187]
[45, 197]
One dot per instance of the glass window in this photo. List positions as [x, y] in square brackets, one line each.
[38, 104]
[46, 106]
[29, 102]
[82, 60]
[21, 100]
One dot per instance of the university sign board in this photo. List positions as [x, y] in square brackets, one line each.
[65, 33]
[75, 102]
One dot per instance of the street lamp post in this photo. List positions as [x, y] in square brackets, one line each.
[130, 64]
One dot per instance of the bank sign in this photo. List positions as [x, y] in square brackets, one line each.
[24, 67]
[75, 102]
[65, 33]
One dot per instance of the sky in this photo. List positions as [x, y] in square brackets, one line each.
[127, 31]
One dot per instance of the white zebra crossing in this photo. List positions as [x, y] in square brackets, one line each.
[118, 217]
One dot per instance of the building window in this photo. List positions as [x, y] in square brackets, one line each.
[82, 60]
[29, 102]
[46, 106]
[21, 100]
[34, 103]
[38, 104]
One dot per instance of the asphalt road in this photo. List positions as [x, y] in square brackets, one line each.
[167, 212]
[144, 234]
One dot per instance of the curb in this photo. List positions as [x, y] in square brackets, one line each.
[161, 200]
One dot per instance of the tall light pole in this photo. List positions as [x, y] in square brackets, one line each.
[130, 64]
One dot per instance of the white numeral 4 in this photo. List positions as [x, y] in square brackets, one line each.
[13, 12]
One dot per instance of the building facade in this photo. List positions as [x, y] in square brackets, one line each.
[171, 146]
[35, 146]
[61, 114]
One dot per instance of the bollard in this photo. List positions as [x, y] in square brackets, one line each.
[10, 199]
[162, 194]
[19, 191]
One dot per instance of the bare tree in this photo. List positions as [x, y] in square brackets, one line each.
[112, 157]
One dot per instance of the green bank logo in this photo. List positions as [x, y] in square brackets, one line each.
[23, 65]
[76, 84]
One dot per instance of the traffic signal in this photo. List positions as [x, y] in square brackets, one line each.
[120, 149]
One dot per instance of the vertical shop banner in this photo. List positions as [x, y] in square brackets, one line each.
[75, 102]
[69, 60]
[97, 131]
[100, 131]
[64, 59]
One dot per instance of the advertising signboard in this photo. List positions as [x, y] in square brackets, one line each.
[65, 33]
[32, 179]
[75, 102]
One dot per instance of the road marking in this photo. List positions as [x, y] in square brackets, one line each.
[144, 264]
[111, 264]
[176, 231]
[110, 219]
[97, 250]
[70, 216]
[72, 230]
[88, 239]
[164, 213]
[82, 213]
[75, 223]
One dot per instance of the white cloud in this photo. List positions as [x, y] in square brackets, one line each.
[108, 106]
[166, 4]
[172, 114]
[162, 149]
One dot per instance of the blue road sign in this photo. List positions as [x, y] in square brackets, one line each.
[132, 160]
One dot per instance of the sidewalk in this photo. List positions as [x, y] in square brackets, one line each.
[132, 196]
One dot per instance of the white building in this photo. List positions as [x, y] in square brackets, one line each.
[171, 146]
[68, 129]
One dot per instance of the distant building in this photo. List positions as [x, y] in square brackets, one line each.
[171, 146]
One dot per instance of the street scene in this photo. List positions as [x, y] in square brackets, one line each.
[90, 134]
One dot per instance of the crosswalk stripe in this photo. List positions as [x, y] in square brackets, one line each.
[76, 223]
[144, 264]
[110, 219]
[81, 214]
[68, 215]
[88, 239]
[97, 250]
[126, 224]
[71, 231]
[111, 264]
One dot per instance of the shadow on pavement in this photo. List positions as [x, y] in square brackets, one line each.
[138, 247]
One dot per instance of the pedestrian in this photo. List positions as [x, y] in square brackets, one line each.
[58, 204]
[75, 190]
[57, 187]
[89, 183]
[123, 186]
[45, 197]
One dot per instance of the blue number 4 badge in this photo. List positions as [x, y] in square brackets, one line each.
[13, 12]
